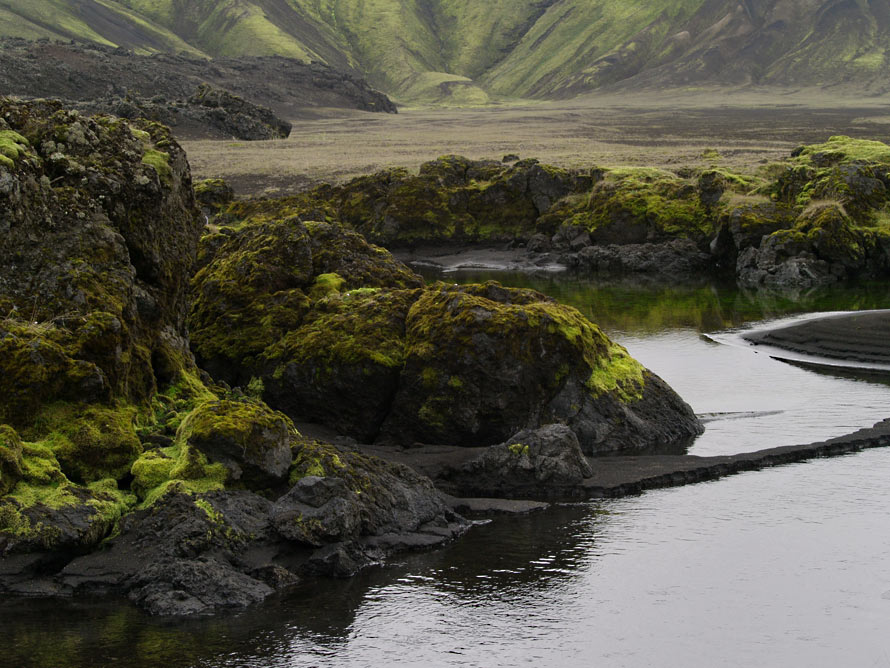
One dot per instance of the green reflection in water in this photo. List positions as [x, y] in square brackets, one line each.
[648, 308]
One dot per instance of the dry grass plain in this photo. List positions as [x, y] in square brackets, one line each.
[668, 130]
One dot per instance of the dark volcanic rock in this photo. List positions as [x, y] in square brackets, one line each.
[127, 84]
[679, 259]
[532, 464]
[238, 117]
[216, 112]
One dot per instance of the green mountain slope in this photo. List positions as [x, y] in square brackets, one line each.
[102, 21]
[464, 51]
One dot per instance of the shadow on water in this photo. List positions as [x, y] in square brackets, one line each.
[510, 561]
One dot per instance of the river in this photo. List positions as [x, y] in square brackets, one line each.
[781, 567]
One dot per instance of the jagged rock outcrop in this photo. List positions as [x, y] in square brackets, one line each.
[162, 87]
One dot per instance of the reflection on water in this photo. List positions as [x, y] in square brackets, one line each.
[662, 325]
[627, 307]
[783, 567]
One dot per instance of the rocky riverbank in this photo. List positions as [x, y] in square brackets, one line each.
[126, 467]
[154, 368]
[816, 218]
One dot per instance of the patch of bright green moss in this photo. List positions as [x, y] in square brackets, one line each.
[179, 468]
[160, 162]
[94, 442]
[840, 148]
[12, 147]
[518, 449]
[326, 284]
[617, 372]
[313, 458]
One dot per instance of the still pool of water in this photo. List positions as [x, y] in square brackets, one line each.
[782, 567]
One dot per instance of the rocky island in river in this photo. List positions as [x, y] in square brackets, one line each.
[124, 467]
[154, 367]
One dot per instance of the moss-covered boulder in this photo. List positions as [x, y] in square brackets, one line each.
[852, 172]
[370, 353]
[823, 247]
[639, 205]
[484, 362]
[213, 195]
[255, 286]
[342, 365]
[252, 441]
[99, 225]
[10, 458]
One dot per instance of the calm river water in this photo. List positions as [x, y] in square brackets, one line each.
[781, 567]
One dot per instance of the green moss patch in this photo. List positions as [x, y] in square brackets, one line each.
[12, 147]
[160, 162]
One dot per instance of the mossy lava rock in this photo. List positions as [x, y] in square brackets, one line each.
[345, 336]
[483, 362]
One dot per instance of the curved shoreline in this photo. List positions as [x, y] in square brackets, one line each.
[846, 339]
[858, 339]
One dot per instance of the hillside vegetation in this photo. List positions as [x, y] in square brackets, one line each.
[463, 52]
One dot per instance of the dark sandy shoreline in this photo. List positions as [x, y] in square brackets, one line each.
[853, 338]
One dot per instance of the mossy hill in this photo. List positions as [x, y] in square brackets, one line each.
[461, 52]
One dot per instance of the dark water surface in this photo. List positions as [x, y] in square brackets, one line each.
[782, 567]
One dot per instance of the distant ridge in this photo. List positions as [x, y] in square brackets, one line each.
[466, 51]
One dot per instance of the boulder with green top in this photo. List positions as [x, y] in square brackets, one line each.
[252, 441]
[483, 362]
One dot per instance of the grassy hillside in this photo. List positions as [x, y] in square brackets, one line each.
[572, 34]
[248, 27]
[466, 51]
[102, 21]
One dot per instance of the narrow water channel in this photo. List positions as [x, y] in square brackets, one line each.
[781, 567]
